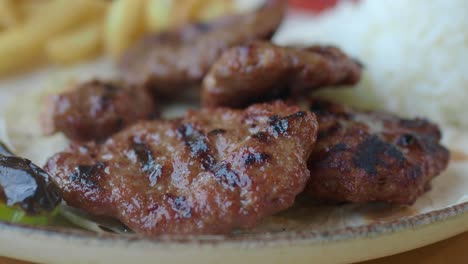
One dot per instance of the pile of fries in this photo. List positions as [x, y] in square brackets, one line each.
[34, 32]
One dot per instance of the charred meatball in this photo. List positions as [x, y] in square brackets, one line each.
[208, 172]
[262, 71]
[94, 110]
[171, 61]
[372, 156]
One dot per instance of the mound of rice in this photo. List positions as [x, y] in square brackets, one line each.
[415, 54]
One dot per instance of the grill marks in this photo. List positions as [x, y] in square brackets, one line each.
[256, 158]
[427, 142]
[94, 110]
[226, 176]
[217, 131]
[369, 152]
[364, 156]
[148, 163]
[280, 126]
[216, 176]
[88, 175]
[197, 144]
[180, 205]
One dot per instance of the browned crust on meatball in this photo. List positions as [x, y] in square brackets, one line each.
[208, 172]
[170, 61]
[262, 71]
[94, 110]
[372, 156]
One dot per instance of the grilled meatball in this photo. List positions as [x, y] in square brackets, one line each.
[372, 156]
[171, 61]
[261, 71]
[94, 110]
[208, 172]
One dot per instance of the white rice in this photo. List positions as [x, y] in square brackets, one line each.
[415, 54]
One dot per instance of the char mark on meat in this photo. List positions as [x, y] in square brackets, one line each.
[204, 182]
[372, 156]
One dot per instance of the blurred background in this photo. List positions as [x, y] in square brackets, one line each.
[34, 32]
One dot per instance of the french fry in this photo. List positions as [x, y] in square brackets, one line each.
[158, 14]
[215, 8]
[21, 46]
[32, 8]
[124, 24]
[69, 31]
[77, 45]
[28, 9]
[9, 15]
[187, 10]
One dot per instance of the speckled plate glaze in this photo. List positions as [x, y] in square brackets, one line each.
[343, 245]
[303, 234]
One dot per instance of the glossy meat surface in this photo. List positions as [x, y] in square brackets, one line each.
[262, 71]
[94, 110]
[372, 156]
[208, 172]
[171, 61]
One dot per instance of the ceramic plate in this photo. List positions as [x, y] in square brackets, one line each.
[303, 234]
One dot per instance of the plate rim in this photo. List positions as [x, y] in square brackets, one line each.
[262, 240]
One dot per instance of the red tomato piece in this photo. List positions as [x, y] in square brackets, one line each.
[315, 6]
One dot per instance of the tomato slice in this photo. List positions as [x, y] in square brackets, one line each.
[315, 6]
